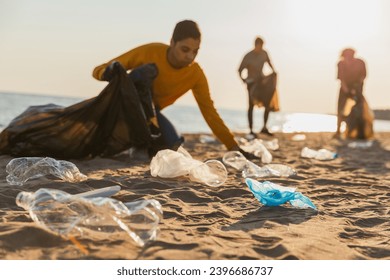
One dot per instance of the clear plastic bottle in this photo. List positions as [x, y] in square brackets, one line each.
[250, 170]
[322, 154]
[25, 168]
[65, 214]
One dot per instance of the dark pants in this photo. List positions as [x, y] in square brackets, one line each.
[250, 110]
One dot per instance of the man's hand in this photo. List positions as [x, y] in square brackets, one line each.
[111, 71]
[247, 155]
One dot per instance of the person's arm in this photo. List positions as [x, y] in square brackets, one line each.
[128, 60]
[243, 65]
[210, 114]
[270, 63]
[340, 76]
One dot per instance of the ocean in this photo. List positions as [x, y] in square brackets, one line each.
[13, 104]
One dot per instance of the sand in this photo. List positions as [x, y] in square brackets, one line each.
[352, 195]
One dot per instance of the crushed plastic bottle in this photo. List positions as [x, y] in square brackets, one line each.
[65, 214]
[237, 160]
[361, 144]
[270, 194]
[270, 170]
[171, 164]
[322, 154]
[20, 170]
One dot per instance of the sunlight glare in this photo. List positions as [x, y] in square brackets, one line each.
[305, 122]
[334, 22]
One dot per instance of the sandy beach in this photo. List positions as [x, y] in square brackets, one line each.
[351, 193]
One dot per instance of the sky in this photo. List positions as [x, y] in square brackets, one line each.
[50, 47]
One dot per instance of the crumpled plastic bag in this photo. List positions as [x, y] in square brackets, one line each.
[20, 170]
[172, 164]
[270, 194]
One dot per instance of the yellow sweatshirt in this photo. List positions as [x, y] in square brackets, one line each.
[172, 83]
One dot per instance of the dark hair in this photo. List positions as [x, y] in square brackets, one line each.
[186, 29]
[259, 41]
[348, 52]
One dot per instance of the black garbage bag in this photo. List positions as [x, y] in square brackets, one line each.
[359, 122]
[264, 93]
[101, 126]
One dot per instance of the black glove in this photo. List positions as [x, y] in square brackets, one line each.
[248, 155]
[111, 71]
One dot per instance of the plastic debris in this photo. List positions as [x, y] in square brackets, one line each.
[270, 194]
[361, 144]
[322, 154]
[172, 164]
[65, 214]
[257, 148]
[20, 170]
[206, 139]
[237, 160]
[298, 137]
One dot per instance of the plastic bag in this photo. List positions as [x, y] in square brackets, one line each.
[171, 164]
[270, 194]
[20, 170]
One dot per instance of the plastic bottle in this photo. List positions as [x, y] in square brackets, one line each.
[171, 164]
[360, 144]
[271, 194]
[252, 170]
[236, 160]
[25, 168]
[322, 154]
[62, 213]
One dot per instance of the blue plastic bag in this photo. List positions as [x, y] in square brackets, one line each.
[271, 194]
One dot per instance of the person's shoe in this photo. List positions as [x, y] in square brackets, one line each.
[266, 132]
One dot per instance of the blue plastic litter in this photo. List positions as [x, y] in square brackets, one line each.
[271, 194]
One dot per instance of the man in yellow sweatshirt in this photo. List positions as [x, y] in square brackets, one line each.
[177, 74]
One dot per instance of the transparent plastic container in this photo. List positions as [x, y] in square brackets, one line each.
[322, 154]
[20, 170]
[65, 214]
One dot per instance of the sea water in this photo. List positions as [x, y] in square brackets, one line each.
[13, 104]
